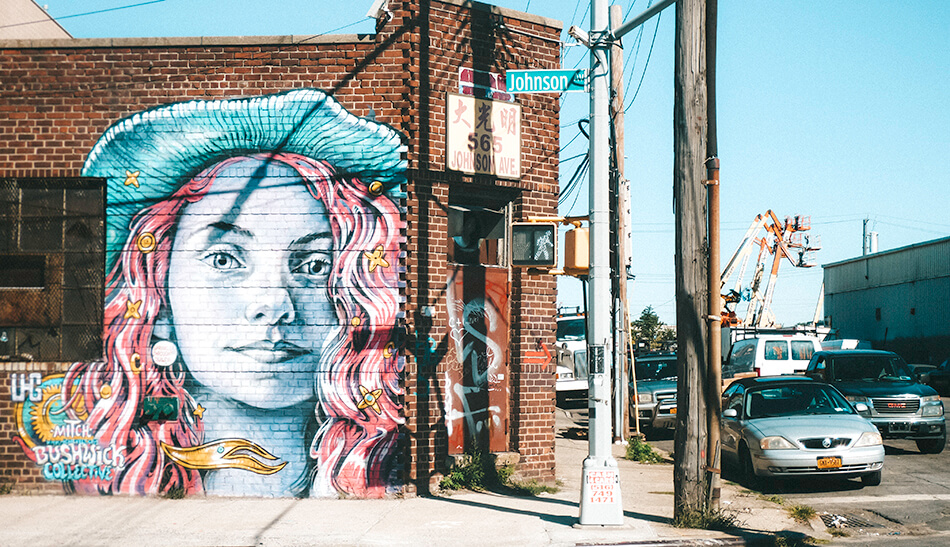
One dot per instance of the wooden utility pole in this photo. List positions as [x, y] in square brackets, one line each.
[621, 204]
[689, 196]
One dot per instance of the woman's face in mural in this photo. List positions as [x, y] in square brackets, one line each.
[248, 295]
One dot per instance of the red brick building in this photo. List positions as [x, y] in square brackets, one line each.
[437, 342]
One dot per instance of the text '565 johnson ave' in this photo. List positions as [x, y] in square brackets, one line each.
[483, 136]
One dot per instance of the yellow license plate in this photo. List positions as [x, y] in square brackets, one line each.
[673, 410]
[829, 463]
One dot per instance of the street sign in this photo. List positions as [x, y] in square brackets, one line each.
[545, 81]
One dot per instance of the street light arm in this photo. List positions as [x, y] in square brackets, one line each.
[639, 19]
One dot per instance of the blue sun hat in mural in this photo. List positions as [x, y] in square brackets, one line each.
[148, 156]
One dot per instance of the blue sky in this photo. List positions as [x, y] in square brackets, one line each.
[835, 110]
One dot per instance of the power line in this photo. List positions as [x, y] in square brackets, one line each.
[647, 64]
[84, 14]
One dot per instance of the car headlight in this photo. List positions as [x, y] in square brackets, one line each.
[869, 438]
[932, 410]
[776, 443]
[644, 398]
[931, 399]
[565, 376]
[857, 398]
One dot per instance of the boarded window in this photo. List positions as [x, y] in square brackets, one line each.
[22, 271]
[52, 251]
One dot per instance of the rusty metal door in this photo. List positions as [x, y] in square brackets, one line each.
[476, 377]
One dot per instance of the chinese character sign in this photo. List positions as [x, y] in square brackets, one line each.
[483, 136]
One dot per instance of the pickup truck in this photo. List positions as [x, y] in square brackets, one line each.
[898, 405]
[653, 393]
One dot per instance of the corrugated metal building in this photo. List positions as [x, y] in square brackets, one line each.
[898, 300]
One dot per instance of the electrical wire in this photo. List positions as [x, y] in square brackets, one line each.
[647, 63]
[97, 12]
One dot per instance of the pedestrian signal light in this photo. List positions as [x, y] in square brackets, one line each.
[534, 244]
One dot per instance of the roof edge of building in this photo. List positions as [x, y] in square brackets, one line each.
[188, 41]
[888, 251]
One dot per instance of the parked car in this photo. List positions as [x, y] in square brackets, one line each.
[653, 396]
[939, 378]
[900, 406]
[770, 355]
[922, 372]
[793, 426]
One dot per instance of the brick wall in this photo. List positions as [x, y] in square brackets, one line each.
[57, 97]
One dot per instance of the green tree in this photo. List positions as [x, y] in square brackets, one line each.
[650, 333]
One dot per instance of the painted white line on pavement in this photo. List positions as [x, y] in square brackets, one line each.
[875, 499]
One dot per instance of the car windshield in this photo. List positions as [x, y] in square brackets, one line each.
[570, 329]
[869, 367]
[656, 369]
[798, 399]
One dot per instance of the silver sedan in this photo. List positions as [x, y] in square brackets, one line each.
[791, 426]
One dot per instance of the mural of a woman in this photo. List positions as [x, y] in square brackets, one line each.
[252, 254]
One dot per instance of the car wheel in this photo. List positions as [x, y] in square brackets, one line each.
[871, 479]
[931, 446]
[746, 469]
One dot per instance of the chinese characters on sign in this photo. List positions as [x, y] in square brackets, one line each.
[483, 136]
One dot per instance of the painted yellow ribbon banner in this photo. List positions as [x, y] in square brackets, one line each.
[224, 454]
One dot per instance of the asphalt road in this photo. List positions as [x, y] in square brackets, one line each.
[911, 506]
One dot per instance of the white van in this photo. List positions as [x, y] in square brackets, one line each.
[770, 355]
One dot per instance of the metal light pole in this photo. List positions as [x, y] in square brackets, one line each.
[600, 502]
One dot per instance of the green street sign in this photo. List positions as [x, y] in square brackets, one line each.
[545, 81]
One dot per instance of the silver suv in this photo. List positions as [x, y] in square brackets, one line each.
[900, 406]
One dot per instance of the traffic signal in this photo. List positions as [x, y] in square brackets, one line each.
[534, 244]
[577, 252]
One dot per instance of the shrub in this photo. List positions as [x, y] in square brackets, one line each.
[801, 513]
[470, 474]
[707, 519]
[476, 472]
[642, 451]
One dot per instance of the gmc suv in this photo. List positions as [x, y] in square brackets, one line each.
[900, 406]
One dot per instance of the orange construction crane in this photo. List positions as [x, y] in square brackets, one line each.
[780, 240]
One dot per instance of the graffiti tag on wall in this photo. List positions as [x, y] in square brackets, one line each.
[476, 379]
[252, 284]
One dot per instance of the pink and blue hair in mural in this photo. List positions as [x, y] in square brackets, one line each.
[253, 289]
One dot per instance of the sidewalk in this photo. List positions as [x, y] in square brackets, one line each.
[458, 520]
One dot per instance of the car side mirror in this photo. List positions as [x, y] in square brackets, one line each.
[861, 408]
[730, 413]
[923, 377]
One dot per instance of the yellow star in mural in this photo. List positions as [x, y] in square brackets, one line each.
[377, 258]
[132, 178]
[132, 310]
[370, 399]
[199, 411]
